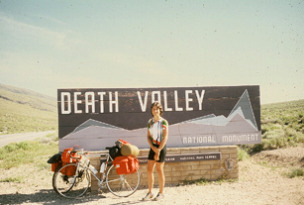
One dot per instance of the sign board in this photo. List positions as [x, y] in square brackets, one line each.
[198, 116]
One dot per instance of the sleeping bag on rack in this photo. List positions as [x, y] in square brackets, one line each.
[129, 149]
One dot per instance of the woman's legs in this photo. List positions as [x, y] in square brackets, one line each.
[161, 176]
[150, 170]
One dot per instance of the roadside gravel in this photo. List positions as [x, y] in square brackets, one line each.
[19, 137]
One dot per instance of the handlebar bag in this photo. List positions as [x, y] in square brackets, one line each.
[114, 152]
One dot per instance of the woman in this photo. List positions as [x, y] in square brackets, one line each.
[157, 138]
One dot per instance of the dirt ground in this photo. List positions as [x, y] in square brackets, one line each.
[262, 180]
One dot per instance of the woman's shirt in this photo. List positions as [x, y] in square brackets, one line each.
[156, 130]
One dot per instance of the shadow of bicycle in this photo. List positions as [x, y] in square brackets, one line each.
[45, 196]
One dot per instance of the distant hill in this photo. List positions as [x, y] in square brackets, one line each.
[23, 110]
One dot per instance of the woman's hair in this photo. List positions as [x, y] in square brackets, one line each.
[160, 107]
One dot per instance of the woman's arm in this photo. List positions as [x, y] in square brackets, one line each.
[165, 135]
[162, 144]
[164, 140]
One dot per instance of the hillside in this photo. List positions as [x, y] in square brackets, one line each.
[23, 110]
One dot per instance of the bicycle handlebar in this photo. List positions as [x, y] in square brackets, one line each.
[77, 157]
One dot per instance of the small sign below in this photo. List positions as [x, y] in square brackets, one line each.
[186, 157]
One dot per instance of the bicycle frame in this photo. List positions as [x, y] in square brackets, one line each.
[103, 175]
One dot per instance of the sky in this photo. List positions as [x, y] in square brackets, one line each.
[46, 45]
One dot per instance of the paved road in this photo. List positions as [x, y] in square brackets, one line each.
[6, 139]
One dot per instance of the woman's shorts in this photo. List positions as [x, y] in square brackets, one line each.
[162, 154]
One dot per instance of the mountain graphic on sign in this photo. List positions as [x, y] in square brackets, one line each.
[221, 120]
[91, 122]
[245, 105]
[242, 107]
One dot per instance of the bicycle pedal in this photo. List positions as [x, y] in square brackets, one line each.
[100, 191]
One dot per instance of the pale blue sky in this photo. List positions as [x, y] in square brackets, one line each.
[46, 45]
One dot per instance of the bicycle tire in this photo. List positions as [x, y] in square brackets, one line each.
[122, 185]
[71, 186]
[54, 175]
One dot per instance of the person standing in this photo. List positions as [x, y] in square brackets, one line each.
[157, 138]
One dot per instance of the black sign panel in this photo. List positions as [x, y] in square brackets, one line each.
[198, 116]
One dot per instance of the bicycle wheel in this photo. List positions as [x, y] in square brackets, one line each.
[122, 185]
[71, 181]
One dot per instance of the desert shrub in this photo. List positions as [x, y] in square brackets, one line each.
[12, 179]
[16, 154]
[281, 126]
[297, 172]
[242, 154]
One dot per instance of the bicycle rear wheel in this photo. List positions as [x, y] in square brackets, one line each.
[122, 185]
[71, 181]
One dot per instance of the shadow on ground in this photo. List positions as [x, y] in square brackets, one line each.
[45, 196]
[49, 197]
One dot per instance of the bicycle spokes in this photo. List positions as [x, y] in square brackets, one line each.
[71, 186]
[122, 185]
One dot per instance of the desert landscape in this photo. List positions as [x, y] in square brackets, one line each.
[269, 173]
[263, 179]
[85, 73]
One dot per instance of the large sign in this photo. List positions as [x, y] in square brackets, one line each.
[197, 116]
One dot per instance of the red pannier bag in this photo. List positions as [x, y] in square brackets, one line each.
[133, 164]
[55, 161]
[67, 159]
[54, 166]
[66, 155]
[126, 164]
[69, 171]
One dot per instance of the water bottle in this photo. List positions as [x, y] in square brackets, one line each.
[102, 167]
[93, 169]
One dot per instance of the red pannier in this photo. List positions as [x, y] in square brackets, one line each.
[55, 161]
[67, 159]
[54, 166]
[69, 171]
[126, 164]
[66, 155]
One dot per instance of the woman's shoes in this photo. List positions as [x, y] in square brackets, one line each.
[159, 196]
[148, 196]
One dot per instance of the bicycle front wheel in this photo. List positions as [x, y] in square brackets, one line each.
[122, 185]
[71, 181]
